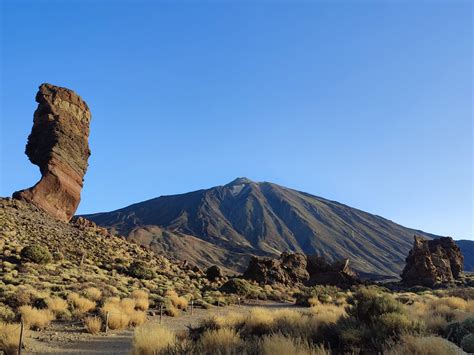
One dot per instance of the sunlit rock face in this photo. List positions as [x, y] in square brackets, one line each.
[58, 144]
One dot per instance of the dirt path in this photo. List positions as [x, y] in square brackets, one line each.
[70, 339]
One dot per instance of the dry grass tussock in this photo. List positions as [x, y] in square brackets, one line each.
[328, 313]
[141, 300]
[57, 305]
[36, 318]
[424, 346]
[81, 305]
[152, 339]
[278, 344]
[122, 313]
[220, 341]
[9, 337]
[437, 313]
[176, 301]
[93, 325]
[93, 293]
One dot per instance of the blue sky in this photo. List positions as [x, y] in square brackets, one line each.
[365, 102]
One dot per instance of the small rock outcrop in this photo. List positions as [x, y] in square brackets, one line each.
[432, 262]
[337, 273]
[289, 269]
[58, 144]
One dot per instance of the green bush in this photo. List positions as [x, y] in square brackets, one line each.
[368, 304]
[36, 254]
[455, 332]
[237, 286]
[140, 270]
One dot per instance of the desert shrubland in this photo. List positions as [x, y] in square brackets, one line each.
[81, 305]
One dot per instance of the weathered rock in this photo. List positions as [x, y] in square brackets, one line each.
[432, 262]
[58, 144]
[289, 269]
[337, 273]
[213, 273]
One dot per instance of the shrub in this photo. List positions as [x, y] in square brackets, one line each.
[467, 343]
[93, 293]
[37, 254]
[137, 318]
[9, 338]
[122, 313]
[279, 344]
[152, 339]
[140, 270]
[258, 322]
[93, 325]
[368, 304]
[177, 301]
[36, 318]
[139, 294]
[6, 314]
[81, 305]
[142, 304]
[118, 321]
[220, 341]
[237, 286]
[423, 346]
[57, 305]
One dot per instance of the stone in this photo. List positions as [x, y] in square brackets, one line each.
[58, 144]
[432, 262]
[214, 273]
[337, 273]
[288, 269]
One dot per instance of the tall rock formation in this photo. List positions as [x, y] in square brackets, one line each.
[431, 262]
[58, 144]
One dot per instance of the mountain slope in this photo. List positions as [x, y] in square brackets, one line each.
[246, 218]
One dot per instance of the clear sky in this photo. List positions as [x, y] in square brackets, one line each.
[365, 102]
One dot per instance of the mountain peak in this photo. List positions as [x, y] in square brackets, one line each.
[240, 181]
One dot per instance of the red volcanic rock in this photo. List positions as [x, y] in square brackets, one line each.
[58, 144]
[432, 262]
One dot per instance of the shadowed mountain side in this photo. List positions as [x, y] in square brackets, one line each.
[467, 249]
[252, 218]
[179, 246]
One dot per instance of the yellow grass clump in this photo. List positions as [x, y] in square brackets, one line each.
[9, 337]
[327, 313]
[93, 293]
[141, 300]
[81, 305]
[122, 313]
[36, 318]
[220, 341]
[177, 301]
[93, 325]
[57, 305]
[423, 346]
[152, 339]
[277, 344]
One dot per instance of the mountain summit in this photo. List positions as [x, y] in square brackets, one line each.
[228, 224]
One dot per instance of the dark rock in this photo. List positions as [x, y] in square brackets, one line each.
[214, 273]
[432, 262]
[337, 273]
[289, 269]
[58, 144]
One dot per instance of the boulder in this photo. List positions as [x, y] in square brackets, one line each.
[58, 144]
[214, 273]
[289, 269]
[432, 262]
[337, 273]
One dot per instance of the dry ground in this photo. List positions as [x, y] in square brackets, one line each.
[71, 339]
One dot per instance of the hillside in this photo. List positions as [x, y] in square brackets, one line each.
[83, 255]
[226, 224]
